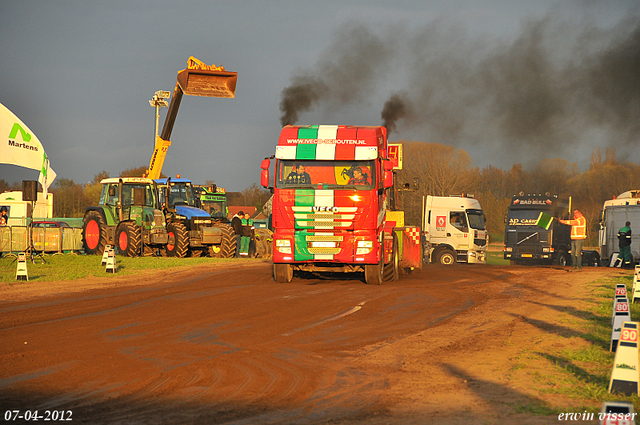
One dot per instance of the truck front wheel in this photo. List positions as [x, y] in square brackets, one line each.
[282, 273]
[446, 257]
[561, 258]
[374, 273]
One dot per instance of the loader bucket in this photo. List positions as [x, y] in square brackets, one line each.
[200, 82]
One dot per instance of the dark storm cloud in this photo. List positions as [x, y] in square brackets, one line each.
[344, 74]
[545, 88]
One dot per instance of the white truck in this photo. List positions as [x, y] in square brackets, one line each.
[615, 213]
[454, 230]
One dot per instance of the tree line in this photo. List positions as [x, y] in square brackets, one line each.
[443, 171]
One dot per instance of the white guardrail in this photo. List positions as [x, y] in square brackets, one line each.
[49, 240]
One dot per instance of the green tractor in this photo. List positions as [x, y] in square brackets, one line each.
[128, 216]
[213, 199]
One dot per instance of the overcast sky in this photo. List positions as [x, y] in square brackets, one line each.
[508, 81]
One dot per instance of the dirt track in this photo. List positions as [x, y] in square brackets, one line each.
[214, 345]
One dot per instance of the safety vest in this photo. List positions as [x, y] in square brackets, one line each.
[578, 227]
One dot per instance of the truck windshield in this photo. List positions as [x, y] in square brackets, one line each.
[327, 174]
[476, 219]
[523, 217]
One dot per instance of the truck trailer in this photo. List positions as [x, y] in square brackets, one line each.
[329, 208]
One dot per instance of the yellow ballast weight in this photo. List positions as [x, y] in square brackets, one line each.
[194, 63]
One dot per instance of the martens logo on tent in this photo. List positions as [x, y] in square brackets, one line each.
[26, 138]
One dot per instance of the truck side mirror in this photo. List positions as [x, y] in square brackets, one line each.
[264, 175]
[388, 174]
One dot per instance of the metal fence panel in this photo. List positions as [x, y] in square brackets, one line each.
[49, 239]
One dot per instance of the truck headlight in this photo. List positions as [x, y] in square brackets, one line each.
[545, 249]
[364, 247]
[509, 249]
[283, 246]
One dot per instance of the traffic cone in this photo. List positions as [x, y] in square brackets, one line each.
[112, 267]
[21, 270]
[105, 254]
[621, 315]
[625, 374]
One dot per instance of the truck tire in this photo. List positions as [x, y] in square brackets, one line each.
[178, 243]
[391, 270]
[373, 273]
[227, 249]
[561, 258]
[282, 273]
[94, 233]
[128, 239]
[446, 257]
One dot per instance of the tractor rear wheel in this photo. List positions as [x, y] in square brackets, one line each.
[128, 239]
[178, 243]
[227, 248]
[94, 233]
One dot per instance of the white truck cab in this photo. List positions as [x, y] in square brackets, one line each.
[455, 230]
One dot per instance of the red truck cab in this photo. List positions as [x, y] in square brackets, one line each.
[329, 207]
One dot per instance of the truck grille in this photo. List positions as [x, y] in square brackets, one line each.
[332, 251]
[339, 217]
[324, 238]
[524, 235]
[531, 249]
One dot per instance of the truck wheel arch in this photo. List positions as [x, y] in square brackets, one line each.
[446, 253]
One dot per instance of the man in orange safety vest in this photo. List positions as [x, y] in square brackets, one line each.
[578, 235]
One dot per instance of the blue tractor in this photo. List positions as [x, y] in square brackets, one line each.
[192, 231]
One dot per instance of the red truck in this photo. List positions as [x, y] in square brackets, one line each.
[329, 212]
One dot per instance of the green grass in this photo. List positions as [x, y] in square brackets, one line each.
[496, 258]
[583, 373]
[72, 267]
